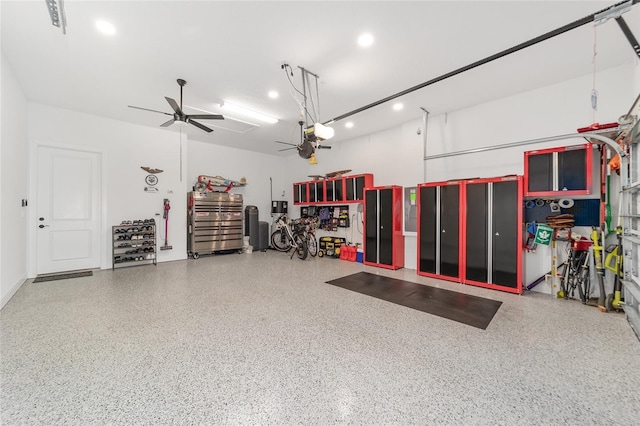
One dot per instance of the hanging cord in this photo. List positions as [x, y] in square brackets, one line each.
[594, 92]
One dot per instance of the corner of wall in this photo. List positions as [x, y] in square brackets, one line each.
[12, 291]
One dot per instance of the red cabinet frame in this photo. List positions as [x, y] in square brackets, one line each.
[556, 172]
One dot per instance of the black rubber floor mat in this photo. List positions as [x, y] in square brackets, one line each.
[43, 278]
[471, 310]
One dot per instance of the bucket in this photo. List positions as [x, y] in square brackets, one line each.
[359, 257]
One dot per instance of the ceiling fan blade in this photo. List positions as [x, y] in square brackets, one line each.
[206, 116]
[286, 143]
[200, 126]
[147, 109]
[286, 149]
[323, 147]
[168, 123]
[175, 106]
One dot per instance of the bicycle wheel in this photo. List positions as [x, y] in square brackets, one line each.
[312, 244]
[301, 249]
[279, 241]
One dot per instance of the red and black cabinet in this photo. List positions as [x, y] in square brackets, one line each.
[383, 239]
[439, 230]
[344, 189]
[565, 170]
[470, 231]
[492, 246]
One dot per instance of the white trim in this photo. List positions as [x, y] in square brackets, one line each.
[12, 291]
[34, 146]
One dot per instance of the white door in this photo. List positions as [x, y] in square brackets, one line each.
[68, 210]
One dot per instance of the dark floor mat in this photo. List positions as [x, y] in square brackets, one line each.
[42, 278]
[471, 310]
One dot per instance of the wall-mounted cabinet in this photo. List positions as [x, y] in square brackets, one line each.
[345, 189]
[470, 231]
[383, 239]
[563, 171]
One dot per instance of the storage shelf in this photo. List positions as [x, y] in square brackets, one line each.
[141, 238]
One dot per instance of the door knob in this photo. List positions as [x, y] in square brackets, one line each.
[42, 226]
[41, 219]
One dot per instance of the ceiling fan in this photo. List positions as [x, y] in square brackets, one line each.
[308, 143]
[179, 115]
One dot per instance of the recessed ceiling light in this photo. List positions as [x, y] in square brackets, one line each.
[273, 94]
[105, 28]
[365, 40]
[348, 124]
[398, 106]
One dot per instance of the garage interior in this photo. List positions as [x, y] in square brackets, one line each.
[457, 159]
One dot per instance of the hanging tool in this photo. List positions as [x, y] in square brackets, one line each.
[614, 300]
[165, 216]
[597, 256]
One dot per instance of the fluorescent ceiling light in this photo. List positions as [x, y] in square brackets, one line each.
[273, 94]
[348, 124]
[105, 27]
[398, 106]
[57, 14]
[365, 40]
[226, 106]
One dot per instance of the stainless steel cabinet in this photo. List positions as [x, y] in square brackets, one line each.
[214, 222]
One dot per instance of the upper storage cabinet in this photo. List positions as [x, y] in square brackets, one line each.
[344, 189]
[564, 170]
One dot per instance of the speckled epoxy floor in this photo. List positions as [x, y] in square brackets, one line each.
[260, 339]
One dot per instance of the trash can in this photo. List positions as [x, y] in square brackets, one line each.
[251, 225]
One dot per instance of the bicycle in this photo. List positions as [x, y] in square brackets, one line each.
[284, 238]
[310, 236]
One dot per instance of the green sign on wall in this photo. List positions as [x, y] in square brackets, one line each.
[543, 235]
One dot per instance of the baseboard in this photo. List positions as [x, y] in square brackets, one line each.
[13, 291]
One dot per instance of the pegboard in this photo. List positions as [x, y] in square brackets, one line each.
[586, 212]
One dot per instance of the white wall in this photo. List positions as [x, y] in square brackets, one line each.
[125, 148]
[395, 156]
[13, 185]
[213, 160]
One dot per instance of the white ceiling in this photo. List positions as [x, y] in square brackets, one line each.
[233, 51]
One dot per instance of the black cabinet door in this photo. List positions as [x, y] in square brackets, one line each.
[312, 192]
[427, 237]
[350, 188]
[303, 193]
[506, 247]
[359, 188]
[540, 172]
[385, 222]
[371, 229]
[339, 185]
[330, 185]
[296, 193]
[320, 191]
[572, 165]
[477, 249]
[449, 230]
